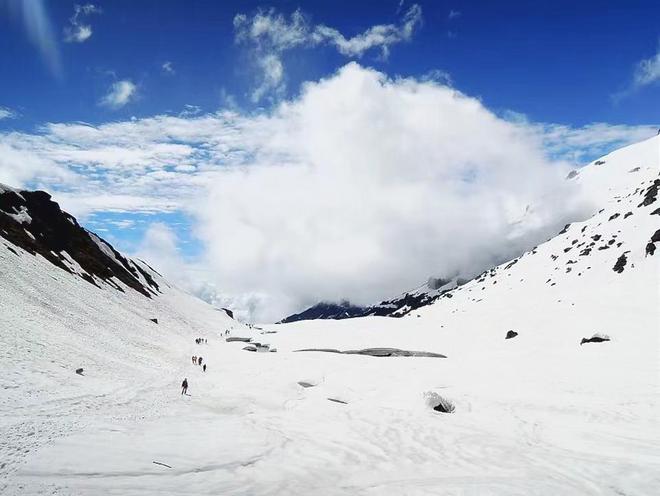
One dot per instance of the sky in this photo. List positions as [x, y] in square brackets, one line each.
[267, 156]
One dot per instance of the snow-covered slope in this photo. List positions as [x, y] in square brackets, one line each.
[539, 413]
[68, 300]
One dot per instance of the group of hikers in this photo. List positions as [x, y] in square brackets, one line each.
[198, 361]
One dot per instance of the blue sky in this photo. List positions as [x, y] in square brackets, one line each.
[229, 138]
[554, 61]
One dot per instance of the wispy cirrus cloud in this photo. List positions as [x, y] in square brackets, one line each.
[119, 94]
[168, 67]
[646, 73]
[270, 35]
[38, 27]
[79, 30]
[7, 113]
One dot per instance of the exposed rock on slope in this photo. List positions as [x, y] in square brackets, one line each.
[32, 221]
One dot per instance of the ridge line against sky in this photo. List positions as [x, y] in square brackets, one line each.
[139, 140]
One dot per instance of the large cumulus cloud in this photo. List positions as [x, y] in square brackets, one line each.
[365, 186]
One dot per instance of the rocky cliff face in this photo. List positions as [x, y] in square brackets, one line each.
[32, 221]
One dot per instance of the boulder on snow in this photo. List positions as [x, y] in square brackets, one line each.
[439, 403]
[236, 338]
[250, 348]
[650, 248]
[596, 338]
[511, 334]
[620, 263]
[79, 371]
[155, 321]
[380, 352]
[306, 384]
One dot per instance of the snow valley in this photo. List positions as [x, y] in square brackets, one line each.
[537, 376]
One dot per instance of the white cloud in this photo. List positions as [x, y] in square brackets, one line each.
[39, 29]
[78, 31]
[168, 67]
[453, 14]
[270, 34]
[359, 188]
[647, 71]
[119, 94]
[6, 113]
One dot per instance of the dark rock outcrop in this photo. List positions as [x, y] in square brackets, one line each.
[620, 263]
[596, 338]
[650, 249]
[32, 221]
[511, 334]
[238, 339]
[651, 194]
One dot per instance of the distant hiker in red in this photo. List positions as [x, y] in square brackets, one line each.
[184, 386]
[204, 368]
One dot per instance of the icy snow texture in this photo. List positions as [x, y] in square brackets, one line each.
[538, 414]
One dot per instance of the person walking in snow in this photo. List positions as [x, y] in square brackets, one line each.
[204, 368]
[184, 386]
[199, 361]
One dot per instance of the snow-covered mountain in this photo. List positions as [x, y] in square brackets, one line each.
[596, 179]
[547, 411]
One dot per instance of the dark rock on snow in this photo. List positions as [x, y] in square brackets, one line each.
[242, 340]
[620, 263]
[596, 338]
[511, 334]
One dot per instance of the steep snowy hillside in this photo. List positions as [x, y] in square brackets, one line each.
[68, 300]
[542, 412]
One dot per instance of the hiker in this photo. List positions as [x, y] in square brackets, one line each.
[184, 386]
[204, 368]
[194, 360]
[206, 341]
[199, 361]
